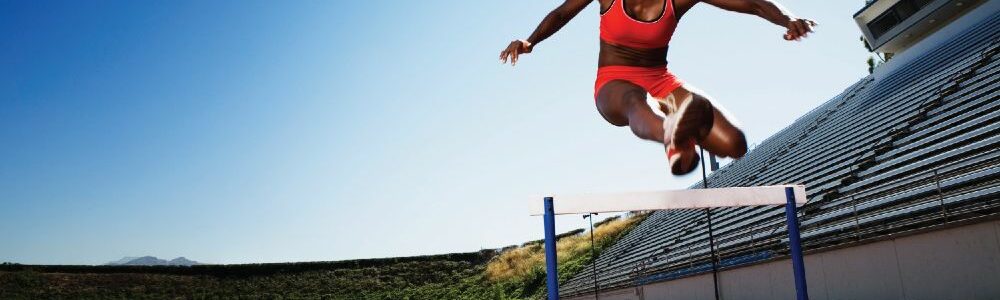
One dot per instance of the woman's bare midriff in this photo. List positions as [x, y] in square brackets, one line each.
[615, 55]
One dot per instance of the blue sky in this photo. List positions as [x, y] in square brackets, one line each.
[262, 131]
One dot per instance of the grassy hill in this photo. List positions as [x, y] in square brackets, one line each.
[515, 272]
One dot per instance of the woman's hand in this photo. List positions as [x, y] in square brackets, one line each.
[515, 49]
[798, 28]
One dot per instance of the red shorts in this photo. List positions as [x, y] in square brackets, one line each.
[657, 81]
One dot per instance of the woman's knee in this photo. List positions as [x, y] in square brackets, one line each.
[735, 144]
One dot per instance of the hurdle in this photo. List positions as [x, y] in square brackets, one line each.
[790, 196]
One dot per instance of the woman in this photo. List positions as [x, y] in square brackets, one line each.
[635, 35]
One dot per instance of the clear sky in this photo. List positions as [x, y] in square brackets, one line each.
[273, 131]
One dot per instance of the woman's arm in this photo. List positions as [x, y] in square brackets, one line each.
[554, 21]
[797, 28]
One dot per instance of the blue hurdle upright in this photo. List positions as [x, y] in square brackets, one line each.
[790, 196]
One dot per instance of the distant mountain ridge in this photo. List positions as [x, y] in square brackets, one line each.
[152, 261]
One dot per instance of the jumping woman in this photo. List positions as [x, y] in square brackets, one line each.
[635, 35]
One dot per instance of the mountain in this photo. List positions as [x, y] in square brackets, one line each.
[152, 261]
[182, 261]
[122, 261]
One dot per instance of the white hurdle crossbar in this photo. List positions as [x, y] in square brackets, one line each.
[790, 196]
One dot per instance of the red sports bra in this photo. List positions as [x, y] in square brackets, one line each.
[618, 28]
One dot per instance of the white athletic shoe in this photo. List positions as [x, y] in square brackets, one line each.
[692, 123]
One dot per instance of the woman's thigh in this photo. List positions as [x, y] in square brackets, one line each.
[616, 98]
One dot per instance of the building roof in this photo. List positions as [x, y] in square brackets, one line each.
[868, 3]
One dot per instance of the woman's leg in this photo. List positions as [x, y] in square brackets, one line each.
[707, 123]
[623, 103]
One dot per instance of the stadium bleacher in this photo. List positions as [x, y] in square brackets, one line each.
[914, 149]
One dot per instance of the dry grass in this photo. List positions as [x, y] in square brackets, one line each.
[525, 260]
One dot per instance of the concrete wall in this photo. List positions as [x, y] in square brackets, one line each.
[957, 263]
